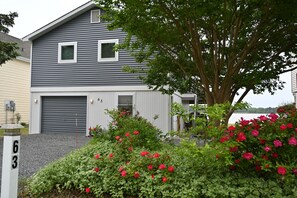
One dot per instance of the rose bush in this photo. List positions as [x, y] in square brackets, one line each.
[265, 146]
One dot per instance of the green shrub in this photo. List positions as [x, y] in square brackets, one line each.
[265, 147]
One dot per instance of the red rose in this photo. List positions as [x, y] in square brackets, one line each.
[136, 132]
[241, 137]
[170, 168]
[277, 143]
[144, 153]
[120, 169]
[294, 171]
[164, 179]
[247, 156]
[117, 137]
[136, 175]
[96, 169]
[110, 155]
[289, 125]
[224, 139]
[233, 149]
[156, 155]
[255, 133]
[274, 155]
[150, 167]
[153, 176]
[162, 166]
[130, 149]
[127, 134]
[281, 170]
[231, 128]
[292, 141]
[88, 190]
[237, 161]
[124, 173]
[97, 156]
[283, 127]
[258, 168]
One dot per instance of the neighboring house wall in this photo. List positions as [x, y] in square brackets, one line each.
[294, 85]
[15, 85]
[47, 72]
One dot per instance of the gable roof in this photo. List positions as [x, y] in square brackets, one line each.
[63, 19]
[24, 47]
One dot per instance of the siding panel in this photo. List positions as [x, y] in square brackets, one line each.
[46, 72]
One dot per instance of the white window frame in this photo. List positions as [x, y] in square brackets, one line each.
[100, 42]
[60, 45]
[126, 94]
[99, 16]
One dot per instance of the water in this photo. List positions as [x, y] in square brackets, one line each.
[247, 116]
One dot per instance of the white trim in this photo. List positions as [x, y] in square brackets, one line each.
[20, 58]
[63, 19]
[100, 42]
[90, 89]
[99, 16]
[60, 45]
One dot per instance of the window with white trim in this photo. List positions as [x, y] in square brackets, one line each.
[67, 52]
[125, 103]
[95, 16]
[106, 50]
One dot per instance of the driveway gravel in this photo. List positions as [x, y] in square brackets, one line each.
[38, 150]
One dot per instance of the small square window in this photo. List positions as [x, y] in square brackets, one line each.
[106, 50]
[125, 103]
[95, 16]
[67, 52]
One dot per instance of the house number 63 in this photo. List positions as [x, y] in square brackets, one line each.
[15, 150]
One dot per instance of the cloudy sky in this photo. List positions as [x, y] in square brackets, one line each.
[33, 14]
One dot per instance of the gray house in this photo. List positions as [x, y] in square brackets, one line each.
[76, 76]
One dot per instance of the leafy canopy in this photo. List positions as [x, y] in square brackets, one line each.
[7, 50]
[212, 48]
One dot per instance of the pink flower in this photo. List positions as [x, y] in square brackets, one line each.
[293, 141]
[255, 133]
[164, 179]
[136, 175]
[136, 132]
[289, 125]
[283, 127]
[156, 155]
[162, 166]
[241, 137]
[96, 169]
[124, 173]
[150, 167]
[233, 149]
[273, 117]
[277, 143]
[97, 156]
[110, 155]
[117, 137]
[121, 169]
[247, 156]
[127, 134]
[170, 168]
[267, 148]
[144, 153]
[231, 128]
[263, 118]
[281, 170]
[88, 190]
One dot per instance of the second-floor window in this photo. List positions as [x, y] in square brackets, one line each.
[95, 16]
[67, 52]
[106, 50]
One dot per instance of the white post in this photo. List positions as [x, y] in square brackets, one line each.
[10, 164]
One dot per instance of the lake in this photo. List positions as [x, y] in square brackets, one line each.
[247, 116]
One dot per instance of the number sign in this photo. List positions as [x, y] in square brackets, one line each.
[15, 157]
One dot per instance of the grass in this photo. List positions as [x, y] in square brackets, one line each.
[24, 131]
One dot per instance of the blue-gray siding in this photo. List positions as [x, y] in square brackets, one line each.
[46, 72]
[64, 114]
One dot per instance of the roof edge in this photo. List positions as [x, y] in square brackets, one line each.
[61, 20]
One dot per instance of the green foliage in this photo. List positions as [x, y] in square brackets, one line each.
[123, 123]
[265, 146]
[7, 50]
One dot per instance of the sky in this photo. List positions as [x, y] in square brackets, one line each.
[34, 14]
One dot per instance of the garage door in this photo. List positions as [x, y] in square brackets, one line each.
[64, 114]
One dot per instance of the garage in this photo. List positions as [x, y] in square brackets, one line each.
[64, 114]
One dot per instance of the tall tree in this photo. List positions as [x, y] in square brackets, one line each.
[212, 48]
[7, 49]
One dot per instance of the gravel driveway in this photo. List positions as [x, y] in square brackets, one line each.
[41, 149]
